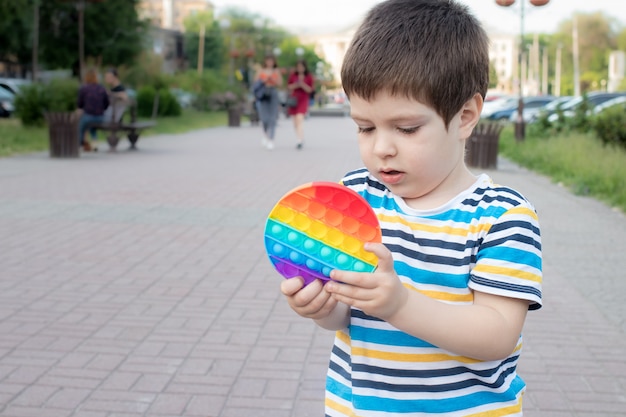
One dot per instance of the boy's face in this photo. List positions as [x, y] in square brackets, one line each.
[405, 145]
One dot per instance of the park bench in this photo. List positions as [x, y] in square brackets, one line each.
[115, 125]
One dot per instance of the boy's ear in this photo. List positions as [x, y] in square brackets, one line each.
[470, 115]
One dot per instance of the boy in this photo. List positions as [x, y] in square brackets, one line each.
[435, 330]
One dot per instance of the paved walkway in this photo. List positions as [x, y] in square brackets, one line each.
[136, 284]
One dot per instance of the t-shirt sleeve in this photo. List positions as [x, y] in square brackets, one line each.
[509, 262]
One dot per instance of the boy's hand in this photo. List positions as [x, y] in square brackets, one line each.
[311, 301]
[379, 294]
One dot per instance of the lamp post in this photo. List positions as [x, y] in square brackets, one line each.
[520, 128]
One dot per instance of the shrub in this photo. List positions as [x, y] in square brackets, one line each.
[145, 101]
[168, 105]
[35, 99]
[29, 105]
[61, 95]
[610, 126]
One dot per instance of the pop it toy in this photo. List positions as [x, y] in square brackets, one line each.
[318, 227]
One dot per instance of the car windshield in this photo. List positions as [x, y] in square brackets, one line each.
[5, 95]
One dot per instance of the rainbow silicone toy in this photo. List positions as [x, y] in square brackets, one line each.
[318, 227]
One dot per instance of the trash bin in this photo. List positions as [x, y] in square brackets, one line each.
[63, 134]
[482, 146]
[234, 117]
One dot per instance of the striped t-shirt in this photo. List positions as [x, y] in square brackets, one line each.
[486, 239]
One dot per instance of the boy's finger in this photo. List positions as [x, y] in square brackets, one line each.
[291, 286]
[385, 260]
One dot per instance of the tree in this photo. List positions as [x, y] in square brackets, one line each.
[16, 28]
[214, 48]
[598, 35]
[113, 34]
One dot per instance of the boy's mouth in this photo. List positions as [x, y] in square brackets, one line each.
[391, 176]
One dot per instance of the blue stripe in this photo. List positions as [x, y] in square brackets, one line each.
[464, 216]
[433, 373]
[435, 406]
[515, 255]
[515, 224]
[506, 286]
[429, 258]
[432, 243]
[386, 337]
[449, 387]
[516, 238]
[425, 276]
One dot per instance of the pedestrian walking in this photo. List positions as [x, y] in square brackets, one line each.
[300, 86]
[270, 80]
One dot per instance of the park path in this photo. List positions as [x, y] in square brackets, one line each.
[136, 284]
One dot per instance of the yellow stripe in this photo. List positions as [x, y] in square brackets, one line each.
[509, 272]
[522, 210]
[301, 222]
[334, 405]
[456, 231]
[443, 296]
[506, 411]
[410, 357]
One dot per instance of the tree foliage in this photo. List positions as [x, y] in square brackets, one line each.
[16, 29]
[214, 48]
[598, 35]
[113, 33]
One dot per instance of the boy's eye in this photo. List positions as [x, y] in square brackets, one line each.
[408, 130]
[365, 129]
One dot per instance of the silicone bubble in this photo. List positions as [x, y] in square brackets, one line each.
[318, 227]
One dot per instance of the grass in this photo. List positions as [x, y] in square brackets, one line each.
[17, 139]
[578, 161]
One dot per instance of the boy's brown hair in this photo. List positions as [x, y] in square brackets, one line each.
[433, 51]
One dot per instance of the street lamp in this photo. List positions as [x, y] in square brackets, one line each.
[520, 128]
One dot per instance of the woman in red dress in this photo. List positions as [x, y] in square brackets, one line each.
[300, 85]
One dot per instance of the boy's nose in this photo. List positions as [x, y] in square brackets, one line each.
[384, 145]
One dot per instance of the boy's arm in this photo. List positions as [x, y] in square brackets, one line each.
[488, 329]
[315, 303]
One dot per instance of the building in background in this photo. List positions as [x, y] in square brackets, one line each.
[166, 18]
[170, 14]
[503, 56]
[331, 47]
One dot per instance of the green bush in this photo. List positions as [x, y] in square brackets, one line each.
[145, 101]
[35, 99]
[29, 105]
[61, 95]
[200, 84]
[610, 126]
[168, 105]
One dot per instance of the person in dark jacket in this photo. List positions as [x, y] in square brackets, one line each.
[93, 100]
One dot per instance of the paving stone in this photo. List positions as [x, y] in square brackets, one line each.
[136, 284]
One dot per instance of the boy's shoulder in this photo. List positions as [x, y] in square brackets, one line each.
[482, 194]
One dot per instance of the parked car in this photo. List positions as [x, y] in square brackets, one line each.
[594, 99]
[13, 84]
[619, 100]
[530, 102]
[531, 107]
[489, 107]
[549, 108]
[7, 99]
[184, 98]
